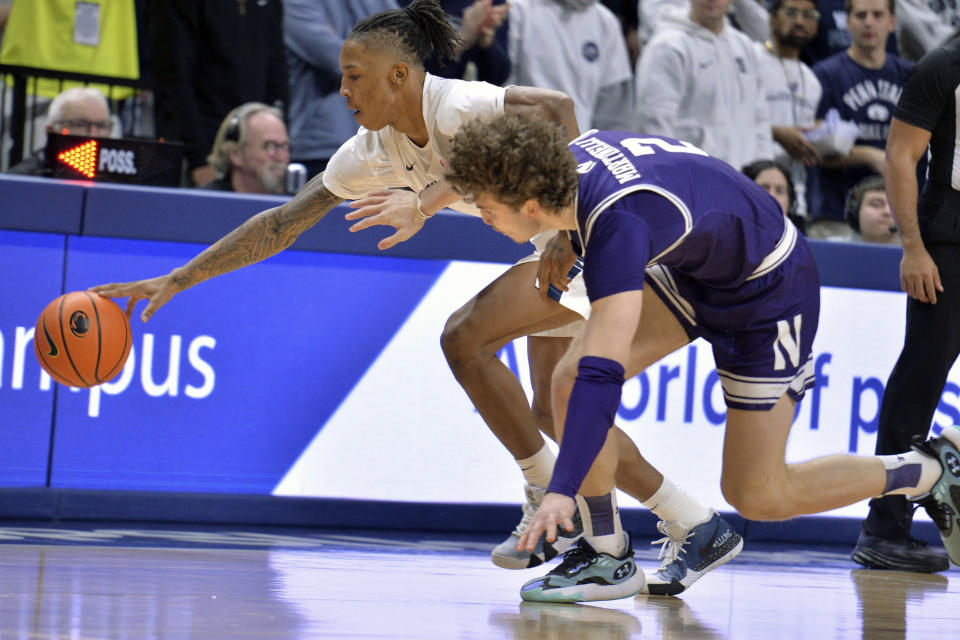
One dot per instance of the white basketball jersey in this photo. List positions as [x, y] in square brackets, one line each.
[387, 159]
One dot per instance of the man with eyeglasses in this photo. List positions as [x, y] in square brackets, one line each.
[81, 111]
[251, 151]
[791, 89]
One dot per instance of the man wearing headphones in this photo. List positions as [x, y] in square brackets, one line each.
[251, 151]
[868, 213]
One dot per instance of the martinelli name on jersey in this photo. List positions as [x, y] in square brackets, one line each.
[611, 157]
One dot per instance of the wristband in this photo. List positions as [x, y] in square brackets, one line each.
[591, 410]
[420, 212]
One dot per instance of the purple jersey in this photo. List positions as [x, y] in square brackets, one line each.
[688, 211]
[716, 249]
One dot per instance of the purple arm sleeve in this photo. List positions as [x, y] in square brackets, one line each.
[593, 404]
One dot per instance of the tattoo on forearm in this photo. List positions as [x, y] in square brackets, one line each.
[263, 235]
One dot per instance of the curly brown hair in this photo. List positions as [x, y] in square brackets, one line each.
[514, 159]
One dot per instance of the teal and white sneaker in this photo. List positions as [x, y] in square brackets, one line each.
[688, 555]
[585, 575]
[505, 554]
[943, 500]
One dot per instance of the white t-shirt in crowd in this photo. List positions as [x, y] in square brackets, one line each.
[581, 53]
[792, 92]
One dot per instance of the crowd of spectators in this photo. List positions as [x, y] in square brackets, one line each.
[797, 93]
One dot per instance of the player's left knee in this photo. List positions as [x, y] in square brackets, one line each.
[757, 504]
[462, 344]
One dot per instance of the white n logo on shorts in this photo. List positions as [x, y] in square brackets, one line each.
[787, 342]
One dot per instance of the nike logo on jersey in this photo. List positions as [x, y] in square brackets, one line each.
[408, 167]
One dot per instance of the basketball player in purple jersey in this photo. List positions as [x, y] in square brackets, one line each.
[676, 245]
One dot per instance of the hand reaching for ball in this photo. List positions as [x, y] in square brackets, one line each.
[157, 291]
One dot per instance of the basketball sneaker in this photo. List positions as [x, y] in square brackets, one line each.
[505, 554]
[585, 575]
[688, 555]
[942, 502]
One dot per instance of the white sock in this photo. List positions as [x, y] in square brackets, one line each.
[601, 523]
[538, 468]
[910, 474]
[676, 507]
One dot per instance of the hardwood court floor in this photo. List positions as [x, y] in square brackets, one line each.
[150, 584]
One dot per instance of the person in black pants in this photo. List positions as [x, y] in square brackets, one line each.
[926, 115]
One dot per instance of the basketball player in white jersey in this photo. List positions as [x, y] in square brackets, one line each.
[408, 118]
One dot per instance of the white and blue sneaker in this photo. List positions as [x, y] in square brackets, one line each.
[505, 554]
[585, 575]
[688, 555]
[942, 502]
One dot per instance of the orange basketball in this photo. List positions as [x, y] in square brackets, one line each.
[82, 339]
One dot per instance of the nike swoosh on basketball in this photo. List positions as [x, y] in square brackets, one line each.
[54, 352]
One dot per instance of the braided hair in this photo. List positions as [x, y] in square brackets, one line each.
[415, 32]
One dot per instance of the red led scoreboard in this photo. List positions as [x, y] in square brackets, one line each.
[114, 159]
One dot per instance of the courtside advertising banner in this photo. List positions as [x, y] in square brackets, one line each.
[316, 374]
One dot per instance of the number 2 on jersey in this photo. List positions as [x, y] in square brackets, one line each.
[645, 146]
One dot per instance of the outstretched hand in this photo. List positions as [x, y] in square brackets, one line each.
[394, 208]
[556, 509]
[556, 259]
[157, 291]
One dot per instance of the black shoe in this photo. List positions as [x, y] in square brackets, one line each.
[903, 554]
